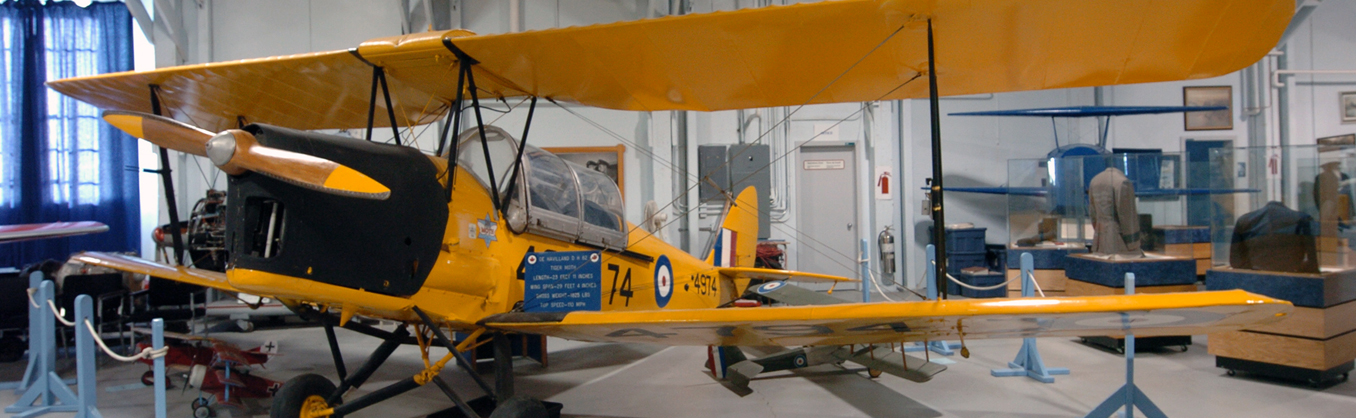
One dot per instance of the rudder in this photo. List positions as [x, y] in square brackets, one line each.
[736, 244]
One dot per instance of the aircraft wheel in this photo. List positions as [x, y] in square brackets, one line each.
[1230, 372]
[520, 407]
[11, 349]
[148, 378]
[245, 325]
[202, 411]
[301, 397]
[873, 373]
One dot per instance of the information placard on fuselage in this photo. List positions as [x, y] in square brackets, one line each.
[562, 282]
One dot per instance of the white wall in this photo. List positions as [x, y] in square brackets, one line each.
[975, 148]
[1327, 41]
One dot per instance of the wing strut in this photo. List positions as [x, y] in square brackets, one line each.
[379, 79]
[938, 221]
[480, 127]
[518, 162]
[467, 76]
[455, 120]
[168, 181]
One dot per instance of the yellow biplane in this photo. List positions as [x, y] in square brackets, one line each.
[336, 227]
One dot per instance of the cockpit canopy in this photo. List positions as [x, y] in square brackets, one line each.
[550, 197]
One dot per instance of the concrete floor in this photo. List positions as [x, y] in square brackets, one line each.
[626, 380]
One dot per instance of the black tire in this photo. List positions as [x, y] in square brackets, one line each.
[296, 393]
[11, 349]
[520, 407]
[202, 412]
[1230, 372]
[148, 378]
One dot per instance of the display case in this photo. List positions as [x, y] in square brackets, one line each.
[1289, 210]
[1049, 214]
[1285, 231]
[1048, 197]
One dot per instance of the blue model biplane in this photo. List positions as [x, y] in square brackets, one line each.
[1146, 172]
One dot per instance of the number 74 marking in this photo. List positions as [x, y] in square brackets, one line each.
[625, 284]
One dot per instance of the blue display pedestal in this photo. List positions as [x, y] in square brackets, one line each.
[1151, 271]
[1128, 396]
[939, 347]
[1028, 362]
[42, 390]
[1310, 346]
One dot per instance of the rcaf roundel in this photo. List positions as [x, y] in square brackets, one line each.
[663, 281]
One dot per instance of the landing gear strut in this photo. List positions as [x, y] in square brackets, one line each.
[314, 396]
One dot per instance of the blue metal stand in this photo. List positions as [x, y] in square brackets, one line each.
[35, 339]
[43, 391]
[157, 344]
[939, 347]
[866, 271]
[85, 368]
[1129, 395]
[1029, 362]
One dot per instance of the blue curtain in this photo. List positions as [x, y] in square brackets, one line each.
[58, 160]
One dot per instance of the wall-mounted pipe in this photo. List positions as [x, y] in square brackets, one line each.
[1276, 75]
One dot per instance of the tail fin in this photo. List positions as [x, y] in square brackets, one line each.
[736, 243]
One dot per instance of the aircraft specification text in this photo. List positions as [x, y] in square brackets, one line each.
[562, 282]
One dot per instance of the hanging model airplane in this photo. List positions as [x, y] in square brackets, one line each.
[463, 239]
[29, 232]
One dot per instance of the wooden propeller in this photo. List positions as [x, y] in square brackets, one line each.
[235, 152]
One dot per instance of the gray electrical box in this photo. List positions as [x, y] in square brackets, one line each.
[749, 167]
[733, 168]
[711, 163]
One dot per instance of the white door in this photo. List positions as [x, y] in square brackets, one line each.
[827, 207]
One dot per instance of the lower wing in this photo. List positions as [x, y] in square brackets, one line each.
[200, 277]
[877, 323]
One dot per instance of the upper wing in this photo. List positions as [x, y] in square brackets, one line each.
[27, 232]
[827, 52]
[774, 274]
[876, 323]
[200, 277]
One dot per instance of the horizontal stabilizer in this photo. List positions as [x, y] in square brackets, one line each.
[887, 360]
[792, 295]
[774, 274]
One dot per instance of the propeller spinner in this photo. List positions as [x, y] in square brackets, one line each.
[236, 151]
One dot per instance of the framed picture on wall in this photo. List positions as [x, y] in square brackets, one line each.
[606, 160]
[1214, 120]
[1347, 100]
[1336, 142]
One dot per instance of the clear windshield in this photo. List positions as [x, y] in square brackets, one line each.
[551, 186]
[602, 199]
[471, 155]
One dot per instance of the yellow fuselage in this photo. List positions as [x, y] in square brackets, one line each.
[476, 277]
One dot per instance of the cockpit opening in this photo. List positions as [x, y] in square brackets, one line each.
[550, 197]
